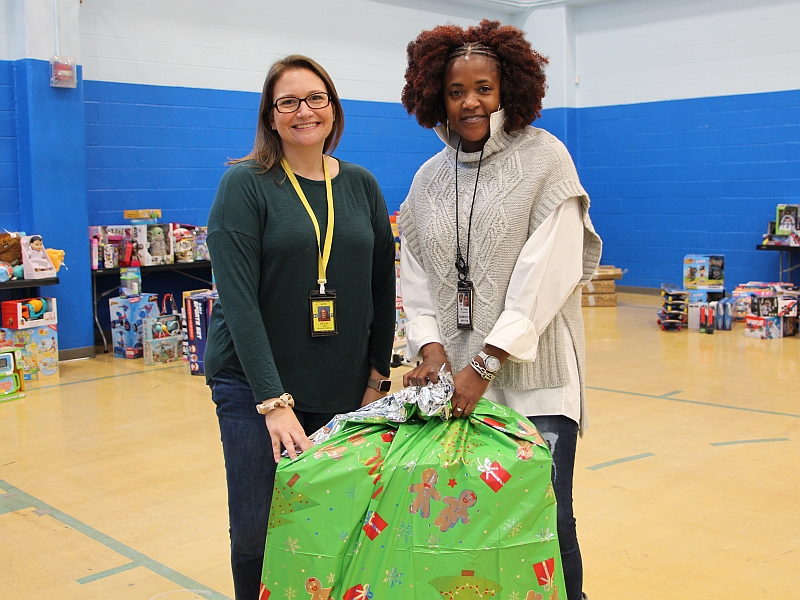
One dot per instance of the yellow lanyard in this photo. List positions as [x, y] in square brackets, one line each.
[324, 254]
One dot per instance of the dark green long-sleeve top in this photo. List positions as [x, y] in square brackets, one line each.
[264, 253]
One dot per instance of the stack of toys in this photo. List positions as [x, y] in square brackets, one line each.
[127, 316]
[114, 246]
[31, 326]
[673, 314]
[25, 257]
[198, 306]
[772, 309]
[601, 289]
[12, 381]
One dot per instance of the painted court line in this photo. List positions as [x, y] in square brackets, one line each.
[611, 463]
[44, 387]
[16, 499]
[697, 402]
[750, 441]
[668, 394]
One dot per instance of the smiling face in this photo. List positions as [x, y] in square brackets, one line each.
[305, 128]
[471, 95]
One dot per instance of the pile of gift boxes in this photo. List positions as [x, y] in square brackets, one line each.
[114, 246]
[141, 328]
[29, 331]
[768, 309]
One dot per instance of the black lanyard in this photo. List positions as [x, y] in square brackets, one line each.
[462, 266]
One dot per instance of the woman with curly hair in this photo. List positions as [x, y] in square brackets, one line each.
[497, 243]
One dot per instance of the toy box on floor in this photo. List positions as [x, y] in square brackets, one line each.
[764, 328]
[397, 500]
[127, 315]
[30, 312]
[162, 339]
[39, 350]
[198, 312]
[12, 382]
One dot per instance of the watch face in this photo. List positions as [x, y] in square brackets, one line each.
[492, 364]
[385, 385]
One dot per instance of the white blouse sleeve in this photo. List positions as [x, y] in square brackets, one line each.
[422, 327]
[546, 273]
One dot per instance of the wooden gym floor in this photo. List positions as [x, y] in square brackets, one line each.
[686, 484]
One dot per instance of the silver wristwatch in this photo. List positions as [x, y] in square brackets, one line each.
[491, 365]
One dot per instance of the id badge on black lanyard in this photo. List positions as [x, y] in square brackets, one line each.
[323, 313]
[464, 305]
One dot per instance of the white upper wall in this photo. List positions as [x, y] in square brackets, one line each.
[623, 51]
[634, 51]
[230, 45]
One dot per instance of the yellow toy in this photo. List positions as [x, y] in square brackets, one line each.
[56, 257]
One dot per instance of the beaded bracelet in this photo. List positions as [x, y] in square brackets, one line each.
[284, 401]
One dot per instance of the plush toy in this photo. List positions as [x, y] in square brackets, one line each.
[6, 271]
[56, 257]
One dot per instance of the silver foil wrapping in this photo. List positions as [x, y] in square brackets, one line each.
[431, 400]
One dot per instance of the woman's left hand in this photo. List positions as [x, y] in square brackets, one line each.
[469, 387]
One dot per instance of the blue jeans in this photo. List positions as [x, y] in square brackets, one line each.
[561, 434]
[250, 473]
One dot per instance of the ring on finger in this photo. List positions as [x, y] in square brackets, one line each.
[458, 408]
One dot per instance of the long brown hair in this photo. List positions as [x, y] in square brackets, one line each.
[267, 150]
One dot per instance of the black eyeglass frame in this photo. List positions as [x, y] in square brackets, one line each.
[300, 101]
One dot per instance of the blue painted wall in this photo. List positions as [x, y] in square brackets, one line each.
[690, 176]
[9, 179]
[166, 147]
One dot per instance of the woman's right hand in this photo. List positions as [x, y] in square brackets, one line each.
[284, 428]
[433, 357]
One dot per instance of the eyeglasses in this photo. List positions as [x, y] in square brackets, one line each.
[290, 104]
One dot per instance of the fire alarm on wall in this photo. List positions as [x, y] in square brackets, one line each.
[63, 72]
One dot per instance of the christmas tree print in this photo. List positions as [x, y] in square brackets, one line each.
[466, 587]
[286, 501]
[459, 442]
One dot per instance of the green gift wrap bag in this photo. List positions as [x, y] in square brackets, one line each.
[398, 501]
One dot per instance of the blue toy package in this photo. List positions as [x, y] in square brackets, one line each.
[127, 316]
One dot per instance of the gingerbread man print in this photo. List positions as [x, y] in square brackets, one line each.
[424, 490]
[456, 510]
[314, 587]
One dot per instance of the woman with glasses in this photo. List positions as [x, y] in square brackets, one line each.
[294, 234]
[497, 243]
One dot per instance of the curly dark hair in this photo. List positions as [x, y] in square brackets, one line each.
[522, 78]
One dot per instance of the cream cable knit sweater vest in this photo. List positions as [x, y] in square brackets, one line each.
[524, 177]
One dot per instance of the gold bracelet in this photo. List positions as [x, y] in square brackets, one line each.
[284, 401]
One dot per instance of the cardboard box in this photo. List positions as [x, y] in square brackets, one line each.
[198, 314]
[786, 219]
[162, 350]
[600, 286]
[789, 326]
[39, 348]
[30, 312]
[703, 272]
[127, 316]
[607, 272]
[764, 306]
[604, 300]
[694, 314]
[765, 328]
[787, 306]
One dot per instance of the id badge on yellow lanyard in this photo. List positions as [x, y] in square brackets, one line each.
[322, 301]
